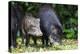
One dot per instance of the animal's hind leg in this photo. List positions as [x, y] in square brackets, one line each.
[14, 40]
[43, 43]
[34, 38]
[46, 40]
[22, 35]
[27, 39]
[23, 39]
[9, 46]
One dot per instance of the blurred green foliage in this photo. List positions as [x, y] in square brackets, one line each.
[68, 15]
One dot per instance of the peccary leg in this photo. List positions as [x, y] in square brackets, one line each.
[43, 40]
[46, 41]
[27, 39]
[34, 38]
[14, 38]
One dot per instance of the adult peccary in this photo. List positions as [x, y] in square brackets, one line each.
[49, 25]
[15, 16]
[31, 28]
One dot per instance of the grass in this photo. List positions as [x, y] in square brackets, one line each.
[67, 44]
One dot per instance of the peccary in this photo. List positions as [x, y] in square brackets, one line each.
[49, 25]
[15, 16]
[31, 27]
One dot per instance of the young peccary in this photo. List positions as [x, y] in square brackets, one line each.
[31, 28]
